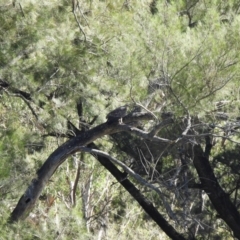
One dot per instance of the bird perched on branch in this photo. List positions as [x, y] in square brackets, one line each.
[117, 114]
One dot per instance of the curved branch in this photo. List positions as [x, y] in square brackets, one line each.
[31, 195]
[136, 194]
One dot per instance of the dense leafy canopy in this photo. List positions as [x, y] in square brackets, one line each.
[65, 65]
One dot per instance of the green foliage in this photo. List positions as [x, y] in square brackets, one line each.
[106, 58]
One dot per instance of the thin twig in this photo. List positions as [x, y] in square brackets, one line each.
[139, 104]
[78, 6]
[74, 189]
[142, 134]
[159, 126]
[136, 176]
[79, 25]
[21, 9]
[188, 125]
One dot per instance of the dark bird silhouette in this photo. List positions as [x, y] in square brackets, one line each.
[117, 114]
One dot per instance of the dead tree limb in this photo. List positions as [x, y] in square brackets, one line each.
[31, 195]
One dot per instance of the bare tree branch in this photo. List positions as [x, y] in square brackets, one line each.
[136, 176]
[79, 25]
[159, 126]
[29, 198]
[136, 194]
[74, 189]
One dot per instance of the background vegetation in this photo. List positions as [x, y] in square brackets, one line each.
[65, 65]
